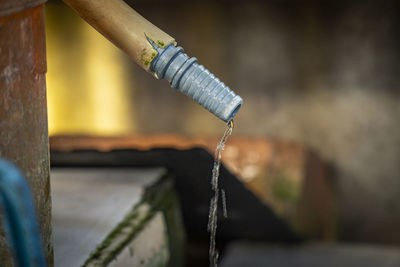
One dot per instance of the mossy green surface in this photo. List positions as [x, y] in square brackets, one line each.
[146, 58]
[158, 197]
[285, 190]
[160, 43]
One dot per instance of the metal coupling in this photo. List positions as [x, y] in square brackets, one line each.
[195, 81]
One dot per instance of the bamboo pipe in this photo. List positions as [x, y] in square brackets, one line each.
[124, 27]
[150, 48]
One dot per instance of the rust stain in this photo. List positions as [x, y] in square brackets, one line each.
[9, 7]
[245, 157]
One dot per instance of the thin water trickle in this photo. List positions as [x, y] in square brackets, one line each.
[224, 203]
[212, 215]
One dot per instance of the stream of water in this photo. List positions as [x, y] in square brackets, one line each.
[212, 216]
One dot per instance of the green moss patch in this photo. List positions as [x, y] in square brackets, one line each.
[158, 197]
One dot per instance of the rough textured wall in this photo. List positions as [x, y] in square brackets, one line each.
[23, 114]
[320, 73]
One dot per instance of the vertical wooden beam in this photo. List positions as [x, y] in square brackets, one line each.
[23, 111]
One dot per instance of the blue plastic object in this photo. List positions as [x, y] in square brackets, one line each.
[19, 219]
[195, 81]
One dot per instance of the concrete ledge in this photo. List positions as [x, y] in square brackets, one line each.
[115, 217]
[310, 255]
[290, 178]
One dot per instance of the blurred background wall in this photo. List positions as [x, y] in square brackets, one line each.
[322, 73]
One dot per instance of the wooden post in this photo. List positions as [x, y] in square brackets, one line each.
[23, 109]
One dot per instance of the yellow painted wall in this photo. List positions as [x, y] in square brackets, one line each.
[89, 89]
